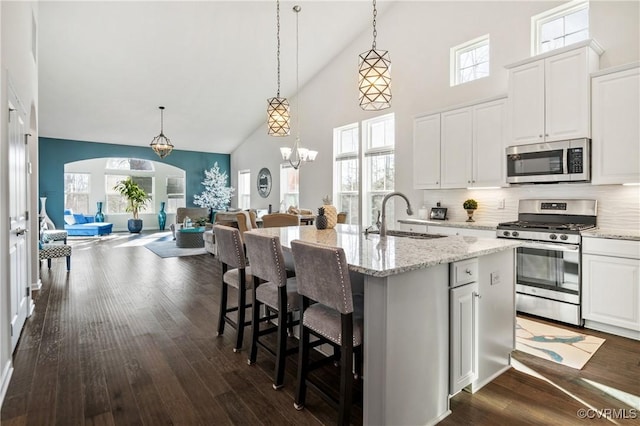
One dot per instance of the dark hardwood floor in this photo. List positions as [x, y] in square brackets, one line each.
[129, 338]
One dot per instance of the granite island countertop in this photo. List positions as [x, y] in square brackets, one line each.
[381, 257]
[613, 234]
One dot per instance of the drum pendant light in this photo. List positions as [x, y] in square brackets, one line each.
[375, 75]
[278, 115]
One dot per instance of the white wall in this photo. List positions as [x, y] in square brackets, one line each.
[96, 168]
[418, 36]
[18, 64]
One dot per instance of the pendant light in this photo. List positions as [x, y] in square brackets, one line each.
[278, 109]
[161, 144]
[297, 155]
[375, 75]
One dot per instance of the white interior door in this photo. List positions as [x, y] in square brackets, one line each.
[18, 251]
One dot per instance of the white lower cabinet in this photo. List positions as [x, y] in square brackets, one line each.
[465, 232]
[463, 337]
[482, 320]
[413, 227]
[611, 286]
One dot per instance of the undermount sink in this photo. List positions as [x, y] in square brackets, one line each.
[407, 234]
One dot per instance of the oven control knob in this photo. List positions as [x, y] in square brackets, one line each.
[506, 233]
[553, 236]
[515, 233]
[563, 237]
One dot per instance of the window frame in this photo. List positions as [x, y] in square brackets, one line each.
[341, 156]
[285, 169]
[562, 11]
[175, 195]
[88, 193]
[244, 198]
[109, 191]
[468, 46]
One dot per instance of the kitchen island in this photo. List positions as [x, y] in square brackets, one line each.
[407, 319]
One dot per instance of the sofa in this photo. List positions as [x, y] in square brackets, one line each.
[80, 225]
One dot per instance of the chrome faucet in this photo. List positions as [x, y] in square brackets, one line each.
[383, 221]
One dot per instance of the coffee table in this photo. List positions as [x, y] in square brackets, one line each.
[190, 237]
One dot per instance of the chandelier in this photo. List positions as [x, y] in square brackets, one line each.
[161, 144]
[375, 75]
[278, 108]
[297, 155]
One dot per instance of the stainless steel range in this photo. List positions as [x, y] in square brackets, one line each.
[548, 269]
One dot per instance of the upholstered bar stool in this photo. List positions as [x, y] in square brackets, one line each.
[272, 288]
[52, 251]
[323, 276]
[235, 273]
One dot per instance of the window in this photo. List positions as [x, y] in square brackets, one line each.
[559, 27]
[360, 192]
[129, 164]
[175, 193]
[470, 61]
[346, 180]
[289, 186]
[116, 203]
[244, 189]
[77, 187]
[379, 166]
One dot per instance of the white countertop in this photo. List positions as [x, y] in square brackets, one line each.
[491, 226]
[615, 234]
[381, 257]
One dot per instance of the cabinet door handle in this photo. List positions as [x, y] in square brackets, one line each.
[477, 295]
[468, 271]
[539, 136]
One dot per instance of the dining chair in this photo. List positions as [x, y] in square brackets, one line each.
[280, 219]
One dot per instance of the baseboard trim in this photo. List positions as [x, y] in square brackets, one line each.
[476, 386]
[612, 329]
[439, 418]
[7, 372]
[37, 286]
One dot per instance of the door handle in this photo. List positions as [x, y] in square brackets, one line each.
[21, 231]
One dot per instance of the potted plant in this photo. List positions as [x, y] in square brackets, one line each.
[136, 199]
[470, 206]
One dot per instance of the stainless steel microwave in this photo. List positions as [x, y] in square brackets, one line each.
[561, 161]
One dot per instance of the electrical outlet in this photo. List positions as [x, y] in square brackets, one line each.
[495, 278]
[501, 203]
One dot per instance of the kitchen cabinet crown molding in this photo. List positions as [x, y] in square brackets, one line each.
[617, 68]
[595, 46]
[460, 106]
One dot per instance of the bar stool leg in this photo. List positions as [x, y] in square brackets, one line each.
[346, 373]
[68, 263]
[281, 352]
[303, 359]
[242, 301]
[223, 307]
[255, 327]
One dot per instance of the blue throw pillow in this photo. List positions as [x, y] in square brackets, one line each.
[79, 218]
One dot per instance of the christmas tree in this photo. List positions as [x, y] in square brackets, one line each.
[217, 195]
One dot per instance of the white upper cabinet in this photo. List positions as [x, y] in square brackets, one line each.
[456, 148]
[615, 129]
[549, 95]
[489, 144]
[426, 152]
[472, 149]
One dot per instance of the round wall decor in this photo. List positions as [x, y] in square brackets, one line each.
[264, 182]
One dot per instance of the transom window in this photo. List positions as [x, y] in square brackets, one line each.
[470, 60]
[129, 164]
[560, 26]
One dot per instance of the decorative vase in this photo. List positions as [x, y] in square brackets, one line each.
[162, 216]
[134, 225]
[321, 219]
[43, 214]
[470, 215]
[99, 217]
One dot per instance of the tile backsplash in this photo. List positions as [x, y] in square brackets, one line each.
[618, 205]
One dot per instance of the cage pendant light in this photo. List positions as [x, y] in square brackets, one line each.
[375, 75]
[161, 144]
[278, 115]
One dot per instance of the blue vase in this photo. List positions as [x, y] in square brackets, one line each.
[162, 217]
[99, 217]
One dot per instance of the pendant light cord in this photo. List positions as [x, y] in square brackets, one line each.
[278, 38]
[161, 120]
[296, 144]
[375, 32]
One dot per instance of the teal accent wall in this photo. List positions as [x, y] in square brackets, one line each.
[55, 153]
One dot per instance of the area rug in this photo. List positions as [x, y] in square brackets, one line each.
[555, 344]
[166, 247]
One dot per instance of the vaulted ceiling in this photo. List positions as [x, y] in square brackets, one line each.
[106, 66]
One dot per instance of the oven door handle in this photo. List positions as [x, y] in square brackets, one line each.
[555, 247]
